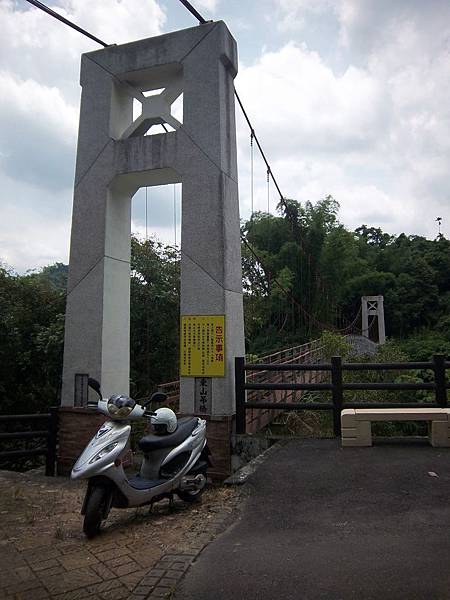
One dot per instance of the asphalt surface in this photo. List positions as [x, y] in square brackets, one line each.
[331, 523]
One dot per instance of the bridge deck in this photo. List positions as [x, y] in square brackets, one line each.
[322, 522]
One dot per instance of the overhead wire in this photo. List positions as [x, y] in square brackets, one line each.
[59, 17]
[202, 21]
[284, 289]
[254, 137]
[251, 172]
[175, 214]
[146, 213]
[269, 172]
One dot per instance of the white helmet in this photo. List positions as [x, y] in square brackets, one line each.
[164, 420]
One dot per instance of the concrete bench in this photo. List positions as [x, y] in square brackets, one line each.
[356, 423]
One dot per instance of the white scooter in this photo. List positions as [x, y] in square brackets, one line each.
[176, 458]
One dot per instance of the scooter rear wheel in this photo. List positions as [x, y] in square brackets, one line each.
[192, 495]
[94, 511]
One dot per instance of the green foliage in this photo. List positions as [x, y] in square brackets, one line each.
[32, 308]
[155, 284]
[309, 281]
[289, 247]
[31, 339]
[422, 345]
[155, 293]
[334, 344]
[387, 353]
[324, 269]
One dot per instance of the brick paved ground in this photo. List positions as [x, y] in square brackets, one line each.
[44, 553]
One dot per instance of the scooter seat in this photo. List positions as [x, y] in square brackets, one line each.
[186, 426]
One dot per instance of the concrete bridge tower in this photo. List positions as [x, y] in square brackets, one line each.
[115, 158]
[373, 306]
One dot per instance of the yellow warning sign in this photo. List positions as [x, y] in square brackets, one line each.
[202, 346]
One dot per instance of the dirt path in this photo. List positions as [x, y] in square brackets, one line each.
[44, 553]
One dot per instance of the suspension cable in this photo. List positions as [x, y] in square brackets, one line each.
[146, 213]
[201, 20]
[251, 171]
[285, 290]
[193, 11]
[175, 214]
[56, 15]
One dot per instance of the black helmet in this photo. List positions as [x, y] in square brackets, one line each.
[120, 405]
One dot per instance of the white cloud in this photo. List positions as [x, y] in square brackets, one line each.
[371, 125]
[294, 94]
[209, 5]
[35, 225]
[376, 133]
[39, 103]
[38, 132]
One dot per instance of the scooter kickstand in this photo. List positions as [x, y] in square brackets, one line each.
[171, 503]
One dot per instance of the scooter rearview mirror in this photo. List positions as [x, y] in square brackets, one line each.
[95, 385]
[157, 398]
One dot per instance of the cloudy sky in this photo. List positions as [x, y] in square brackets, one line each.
[348, 97]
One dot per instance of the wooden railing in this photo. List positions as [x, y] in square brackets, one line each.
[246, 386]
[39, 427]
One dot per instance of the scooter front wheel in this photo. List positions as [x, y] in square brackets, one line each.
[95, 508]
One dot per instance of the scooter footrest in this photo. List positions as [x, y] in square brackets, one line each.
[139, 483]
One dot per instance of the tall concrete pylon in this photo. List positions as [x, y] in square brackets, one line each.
[115, 158]
[373, 306]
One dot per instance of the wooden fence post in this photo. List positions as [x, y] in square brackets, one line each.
[50, 459]
[439, 379]
[336, 382]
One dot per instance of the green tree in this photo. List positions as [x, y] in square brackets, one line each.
[154, 296]
[31, 340]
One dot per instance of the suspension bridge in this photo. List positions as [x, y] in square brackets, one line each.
[120, 151]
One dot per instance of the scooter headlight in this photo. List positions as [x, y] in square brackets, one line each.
[120, 406]
[103, 452]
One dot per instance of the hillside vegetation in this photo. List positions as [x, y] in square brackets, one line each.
[303, 272]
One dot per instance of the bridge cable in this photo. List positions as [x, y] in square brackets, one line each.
[293, 298]
[283, 289]
[146, 213]
[193, 11]
[59, 17]
[175, 215]
[201, 20]
[251, 172]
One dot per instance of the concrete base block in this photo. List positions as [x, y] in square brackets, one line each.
[361, 435]
[348, 419]
[356, 442]
[440, 434]
[348, 432]
[401, 414]
[356, 423]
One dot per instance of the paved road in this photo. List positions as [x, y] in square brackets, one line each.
[326, 523]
